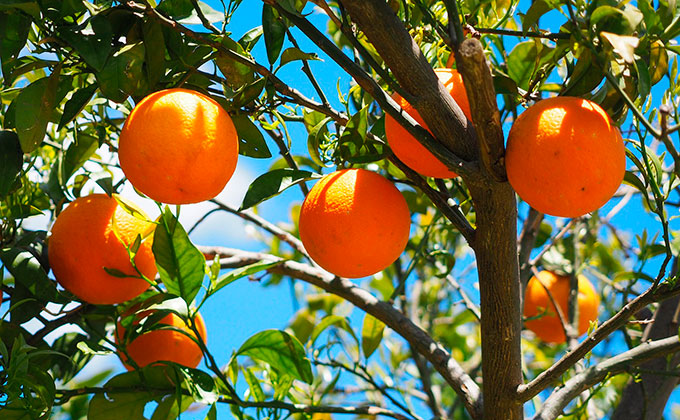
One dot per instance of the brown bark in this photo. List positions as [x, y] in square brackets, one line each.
[495, 244]
[499, 287]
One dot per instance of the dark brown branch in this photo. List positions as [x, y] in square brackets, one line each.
[483, 106]
[553, 405]
[413, 72]
[440, 359]
[449, 210]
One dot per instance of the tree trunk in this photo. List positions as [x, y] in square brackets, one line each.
[499, 287]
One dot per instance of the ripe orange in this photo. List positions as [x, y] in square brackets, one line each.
[536, 301]
[83, 242]
[166, 345]
[565, 157]
[406, 147]
[178, 146]
[354, 223]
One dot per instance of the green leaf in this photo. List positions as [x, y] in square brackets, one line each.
[95, 47]
[181, 265]
[294, 54]
[78, 153]
[249, 93]
[200, 384]
[75, 105]
[250, 38]
[241, 272]
[538, 8]
[658, 61]
[621, 22]
[154, 43]
[183, 12]
[273, 183]
[631, 179]
[332, 320]
[92, 348]
[522, 63]
[274, 32]
[356, 128]
[137, 389]
[644, 79]
[316, 133]
[11, 161]
[124, 74]
[251, 140]
[212, 413]
[26, 269]
[585, 77]
[35, 106]
[14, 29]
[281, 351]
[209, 13]
[236, 74]
[371, 334]
[254, 385]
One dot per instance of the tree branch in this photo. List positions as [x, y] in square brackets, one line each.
[547, 377]
[483, 106]
[450, 370]
[553, 405]
[414, 73]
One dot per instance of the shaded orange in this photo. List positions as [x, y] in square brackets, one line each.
[536, 301]
[406, 147]
[354, 223]
[83, 242]
[163, 345]
[178, 146]
[565, 157]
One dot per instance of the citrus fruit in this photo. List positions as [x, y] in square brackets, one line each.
[86, 239]
[354, 223]
[565, 157]
[537, 302]
[178, 146]
[162, 344]
[406, 147]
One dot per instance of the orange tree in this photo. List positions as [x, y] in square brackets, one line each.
[439, 331]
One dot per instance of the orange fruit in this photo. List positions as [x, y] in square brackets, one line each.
[565, 157]
[178, 146]
[536, 302]
[84, 242]
[406, 147]
[354, 223]
[166, 345]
